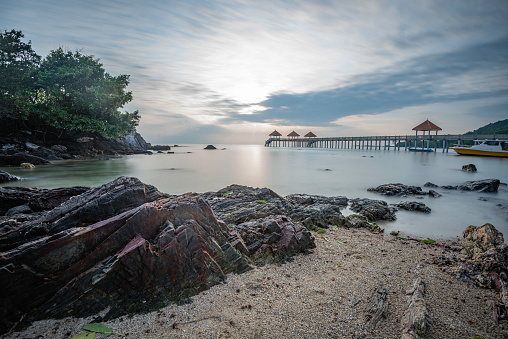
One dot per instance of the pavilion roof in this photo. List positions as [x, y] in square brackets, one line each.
[275, 134]
[293, 134]
[427, 125]
[309, 135]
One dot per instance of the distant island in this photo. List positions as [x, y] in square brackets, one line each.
[500, 127]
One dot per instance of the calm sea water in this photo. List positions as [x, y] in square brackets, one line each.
[313, 171]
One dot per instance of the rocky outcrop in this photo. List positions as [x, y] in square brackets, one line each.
[18, 158]
[484, 261]
[126, 247]
[94, 205]
[37, 199]
[316, 211]
[486, 185]
[236, 203]
[413, 206]
[272, 239]
[397, 190]
[469, 168]
[210, 147]
[136, 142]
[6, 177]
[373, 210]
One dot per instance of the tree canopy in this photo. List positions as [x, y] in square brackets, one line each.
[66, 92]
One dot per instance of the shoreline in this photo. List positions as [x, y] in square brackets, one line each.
[323, 294]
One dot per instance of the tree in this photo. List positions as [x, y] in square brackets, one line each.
[76, 94]
[18, 67]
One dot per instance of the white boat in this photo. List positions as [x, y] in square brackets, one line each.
[490, 148]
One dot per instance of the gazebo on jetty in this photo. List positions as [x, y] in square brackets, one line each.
[381, 142]
[425, 126]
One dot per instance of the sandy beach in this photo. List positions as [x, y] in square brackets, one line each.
[324, 294]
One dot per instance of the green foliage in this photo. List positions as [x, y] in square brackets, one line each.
[500, 127]
[18, 66]
[227, 193]
[93, 329]
[321, 231]
[262, 202]
[67, 92]
[428, 241]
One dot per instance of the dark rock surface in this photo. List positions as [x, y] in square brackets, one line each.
[486, 185]
[210, 147]
[469, 168]
[361, 221]
[484, 261]
[397, 190]
[273, 239]
[94, 205]
[315, 211]
[6, 177]
[18, 158]
[38, 199]
[373, 210]
[413, 206]
[160, 148]
[127, 247]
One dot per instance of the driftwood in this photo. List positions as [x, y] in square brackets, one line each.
[415, 320]
[378, 308]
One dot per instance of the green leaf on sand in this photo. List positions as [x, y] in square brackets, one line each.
[322, 236]
[262, 201]
[89, 335]
[100, 328]
[341, 243]
[401, 238]
[321, 231]
[428, 241]
[227, 193]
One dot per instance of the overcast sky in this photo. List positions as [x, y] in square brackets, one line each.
[233, 71]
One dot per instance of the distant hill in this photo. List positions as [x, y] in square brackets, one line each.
[500, 127]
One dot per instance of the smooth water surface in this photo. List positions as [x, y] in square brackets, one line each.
[328, 172]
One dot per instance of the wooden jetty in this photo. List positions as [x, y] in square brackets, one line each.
[404, 142]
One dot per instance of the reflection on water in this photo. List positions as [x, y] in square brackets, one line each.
[313, 171]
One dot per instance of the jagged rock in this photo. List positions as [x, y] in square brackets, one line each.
[397, 190]
[469, 168]
[210, 147]
[434, 194]
[83, 140]
[22, 209]
[360, 221]
[21, 157]
[6, 177]
[487, 185]
[236, 203]
[416, 320]
[484, 261]
[373, 209]
[429, 184]
[273, 239]
[316, 211]
[413, 206]
[32, 147]
[135, 261]
[38, 199]
[136, 142]
[90, 207]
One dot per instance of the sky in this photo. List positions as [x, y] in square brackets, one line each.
[232, 71]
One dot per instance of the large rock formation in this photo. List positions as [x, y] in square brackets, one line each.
[397, 190]
[373, 210]
[126, 247]
[486, 185]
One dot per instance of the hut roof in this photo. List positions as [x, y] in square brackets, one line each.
[427, 126]
[275, 134]
[309, 135]
[293, 134]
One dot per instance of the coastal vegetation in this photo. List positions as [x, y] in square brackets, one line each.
[499, 127]
[60, 95]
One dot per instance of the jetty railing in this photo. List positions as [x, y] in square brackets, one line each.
[398, 142]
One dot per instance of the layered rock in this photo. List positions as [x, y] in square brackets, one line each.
[272, 239]
[486, 185]
[18, 158]
[373, 210]
[413, 206]
[6, 177]
[397, 190]
[126, 247]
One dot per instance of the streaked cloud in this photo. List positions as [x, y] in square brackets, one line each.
[229, 69]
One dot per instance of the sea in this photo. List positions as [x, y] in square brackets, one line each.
[328, 172]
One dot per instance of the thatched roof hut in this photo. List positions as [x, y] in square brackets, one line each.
[310, 135]
[293, 135]
[275, 134]
[427, 126]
